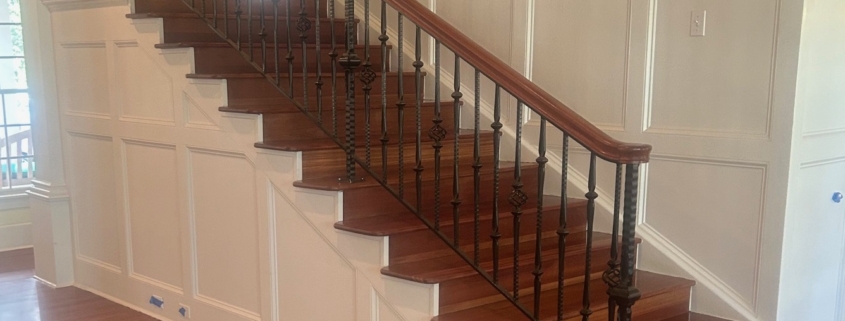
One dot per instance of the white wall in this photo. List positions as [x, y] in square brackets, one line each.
[814, 233]
[169, 196]
[717, 109]
[15, 224]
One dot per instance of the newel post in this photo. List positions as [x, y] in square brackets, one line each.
[624, 293]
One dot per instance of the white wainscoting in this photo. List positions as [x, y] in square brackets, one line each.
[170, 197]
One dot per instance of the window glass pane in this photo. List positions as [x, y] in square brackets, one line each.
[10, 11]
[12, 73]
[4, 169]
[11, 40]
[19, 141]
[4, 152]
[22, 170]
[17, 109]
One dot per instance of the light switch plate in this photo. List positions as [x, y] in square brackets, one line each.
[698, 22]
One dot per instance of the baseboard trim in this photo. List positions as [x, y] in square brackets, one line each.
[121, 302]
[701, 274]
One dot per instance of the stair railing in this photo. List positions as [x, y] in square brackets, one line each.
[250, 36]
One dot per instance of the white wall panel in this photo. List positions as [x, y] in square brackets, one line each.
[580, 51]
[86, 64]
[225, 227]
[95, 209]
[146, 91]
[152, 196]
[718, 84]
[311, 266]
[716, 214]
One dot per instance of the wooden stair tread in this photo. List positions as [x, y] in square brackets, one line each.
[327, 143]
[444, 268]
[691, 316]
[385, 225]
[649, 284]
[286, 107]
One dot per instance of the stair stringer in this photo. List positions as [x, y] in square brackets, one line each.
[662, 255]
[377, 297]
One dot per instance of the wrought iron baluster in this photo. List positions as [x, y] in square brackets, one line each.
[319, 61]
[248, 30]
[304, 25]
[333, 55]
[495, 235]
[517, 198]
[263, 36]
[400, 105]
[226, 18]
[384, 137]
[611, 276]
[203, 10]
[437, 133]
[418, 64]
[476, 168]
[591, 196]
[289, 57]
[238, 12]
[368, 76]
[214, 12]
[350, 61]
[563, 231]
[456, 171]
[625, 294]
[276, 39]
[541, 179]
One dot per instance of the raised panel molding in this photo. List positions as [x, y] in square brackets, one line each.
[153, 235]
[95, 210]
[86, 63]
[735, 223]
[720, 116]
[224, 231]
[143, 86]
[194, 116]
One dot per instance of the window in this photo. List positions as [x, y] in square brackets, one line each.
[16, 154]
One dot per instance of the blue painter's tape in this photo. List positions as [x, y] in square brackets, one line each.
[182, 311]
[156, 302]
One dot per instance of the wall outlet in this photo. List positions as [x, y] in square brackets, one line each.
[698, 22]
[185, 311]
[157, 301]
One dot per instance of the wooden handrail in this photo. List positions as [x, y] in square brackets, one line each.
[540, 101]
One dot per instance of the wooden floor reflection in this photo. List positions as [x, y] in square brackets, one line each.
[23, 298]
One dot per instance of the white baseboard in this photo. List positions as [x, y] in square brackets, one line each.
[14, 237]
[121, 302]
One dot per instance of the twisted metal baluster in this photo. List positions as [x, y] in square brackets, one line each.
[563, 231]
[437, 133]
[333, 55]
[368, 76]
[541, 179]
[350, 61]
[289, 56]
[476, 168]
[591, 212]
[495, 235]
[276, 39]
[263, 36]
[238, 12]
[203, 10]
[418, 64]
[226, 18]
[384, 138]
[318, 61]
[625, 294]
[611, 275]
[400, 105]
[517, 198]
[248, 30]
[304, 25]
[456, 171]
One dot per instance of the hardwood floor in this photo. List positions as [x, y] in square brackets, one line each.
[23, 298]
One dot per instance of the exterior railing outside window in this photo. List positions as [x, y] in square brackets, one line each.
[16, 151]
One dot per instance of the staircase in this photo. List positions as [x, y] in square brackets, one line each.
[503, 257]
